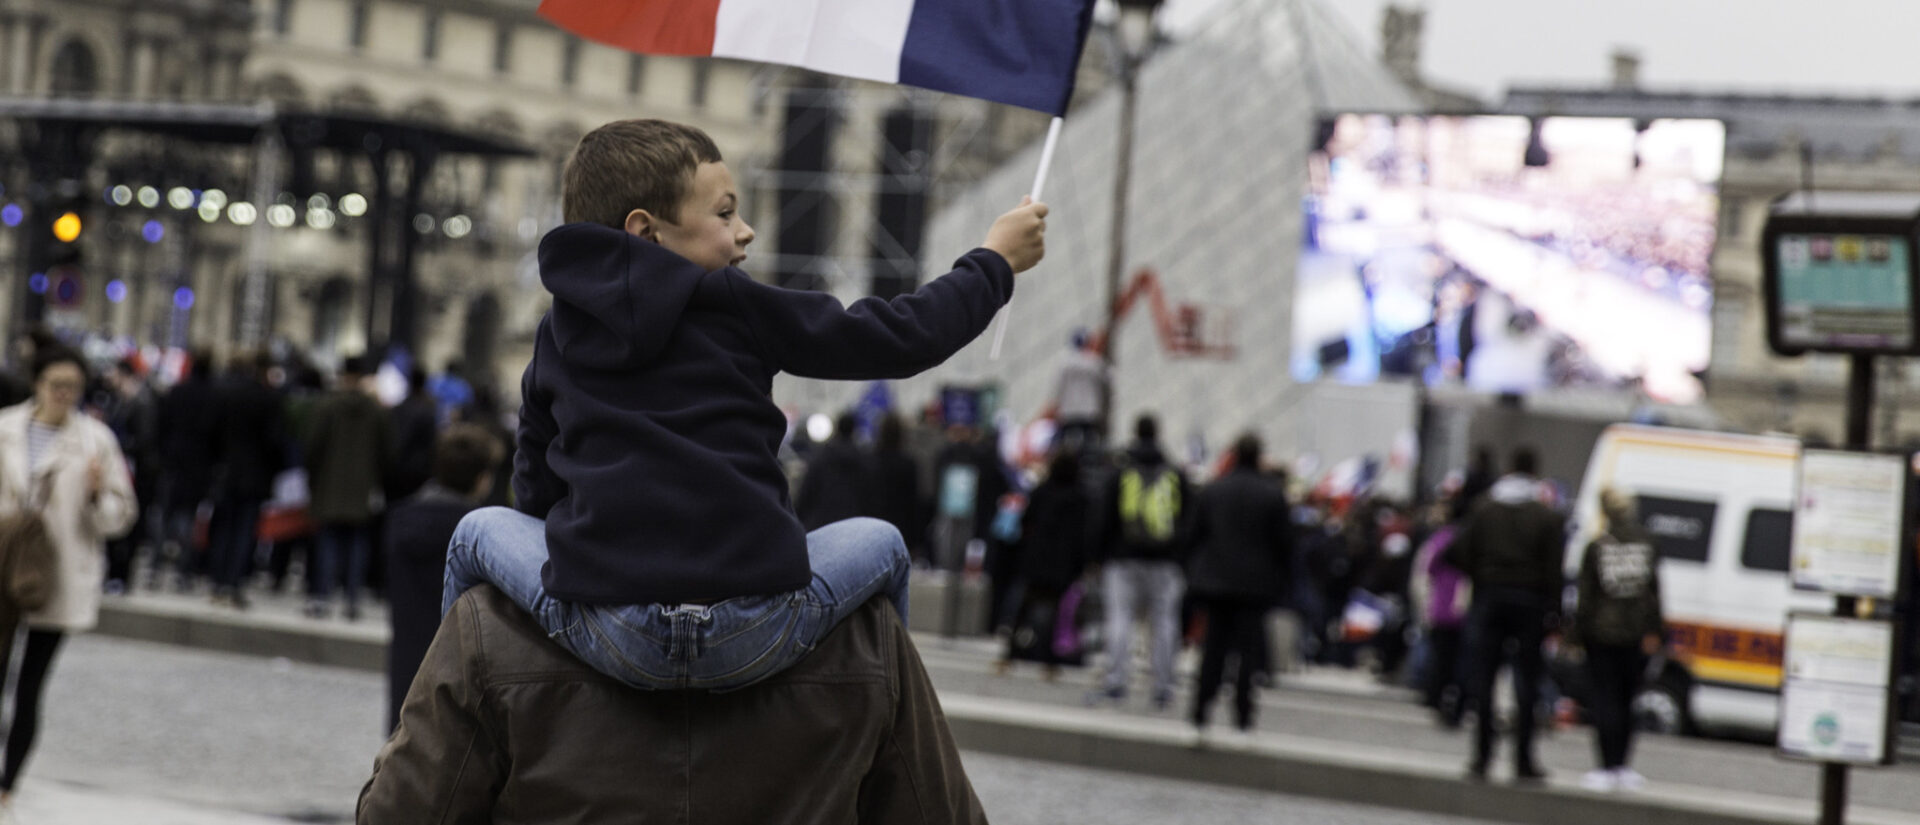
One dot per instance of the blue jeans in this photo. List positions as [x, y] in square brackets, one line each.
[725, 645]
[354, 542]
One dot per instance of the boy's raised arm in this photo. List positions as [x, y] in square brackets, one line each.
[810, 334]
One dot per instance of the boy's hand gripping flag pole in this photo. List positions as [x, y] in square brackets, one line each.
[1018, 52]
[1039, 182]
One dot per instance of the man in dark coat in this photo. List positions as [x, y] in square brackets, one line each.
[186, 448]
[896, 480]
[134, 414]
[249, 434]
[349, 443]
[418, 532]
[1049, 556]
[505, 727]
[1243, 546]
[1510, 547]
[415, 424]
[838, 483]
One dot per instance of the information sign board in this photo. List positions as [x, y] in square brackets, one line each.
[1845, 290]
[1835, 704]
[1841, 273]
[1847, 523]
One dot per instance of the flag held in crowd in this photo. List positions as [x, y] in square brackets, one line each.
[1019, 52]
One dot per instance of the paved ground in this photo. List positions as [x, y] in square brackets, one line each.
[1343, 709]
[1348, 707]
[160, 735]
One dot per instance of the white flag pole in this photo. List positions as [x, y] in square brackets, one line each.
[1039, 182]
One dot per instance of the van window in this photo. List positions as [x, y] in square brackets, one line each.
[1681, 529]
[1769, 540]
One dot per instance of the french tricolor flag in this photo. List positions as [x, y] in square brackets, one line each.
[1018, 52]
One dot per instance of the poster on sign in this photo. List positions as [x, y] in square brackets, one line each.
[1847, 523]
[1835, 703]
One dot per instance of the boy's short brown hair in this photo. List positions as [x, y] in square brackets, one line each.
[632, 164]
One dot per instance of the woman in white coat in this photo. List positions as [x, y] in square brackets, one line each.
[57, 460]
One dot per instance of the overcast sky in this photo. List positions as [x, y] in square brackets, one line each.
[1830, 46]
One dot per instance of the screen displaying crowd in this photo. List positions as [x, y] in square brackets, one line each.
[1510, 254]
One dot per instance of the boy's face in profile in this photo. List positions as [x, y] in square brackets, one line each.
[710, 231]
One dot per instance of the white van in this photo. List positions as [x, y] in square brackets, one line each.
[1719, 508]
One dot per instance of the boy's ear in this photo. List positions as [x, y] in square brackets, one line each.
[642, 223]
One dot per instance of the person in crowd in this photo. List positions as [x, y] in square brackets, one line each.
[957, 498]
[416, 423]
[838, 484]
[484, 413]
[16, 385]
[926, 440]
[651, 503]
[1617, 624]
[1481, 474]
[1141, 549]
[502, 725]
[1050, 555]
[1443, 597]
[451, 390]
[895, 480]
[1080, 396]
[186, 447]
[418, 532]
[1388, 577]
[303, 391]
[1510, 550]
[1319, 557]
[66, 466]
[134, 416]
[249, 448]
[348, 446]
[1243, 549]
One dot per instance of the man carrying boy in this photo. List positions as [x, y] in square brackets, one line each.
[654, 537]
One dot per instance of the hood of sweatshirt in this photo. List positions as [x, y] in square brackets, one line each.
[617, 298]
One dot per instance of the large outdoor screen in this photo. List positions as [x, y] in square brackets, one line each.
[1510, 254]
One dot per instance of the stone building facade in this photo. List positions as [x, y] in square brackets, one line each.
[488, 67]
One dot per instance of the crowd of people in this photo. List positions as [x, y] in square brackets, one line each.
[1439, 597]
[254, 472]
[269, 473]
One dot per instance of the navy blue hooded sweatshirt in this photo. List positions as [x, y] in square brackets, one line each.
[648, 434]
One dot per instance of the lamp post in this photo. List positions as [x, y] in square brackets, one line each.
[1133, 37]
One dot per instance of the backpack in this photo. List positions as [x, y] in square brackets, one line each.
[1149, 509]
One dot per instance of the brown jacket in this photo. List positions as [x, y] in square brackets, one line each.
[502, 726]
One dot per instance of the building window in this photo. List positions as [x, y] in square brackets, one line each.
[503, 48]
[702, 73]
[570, 63]
[636, 73]
[282, 17]
[357, 27]
[75, 71]
[430, 38]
